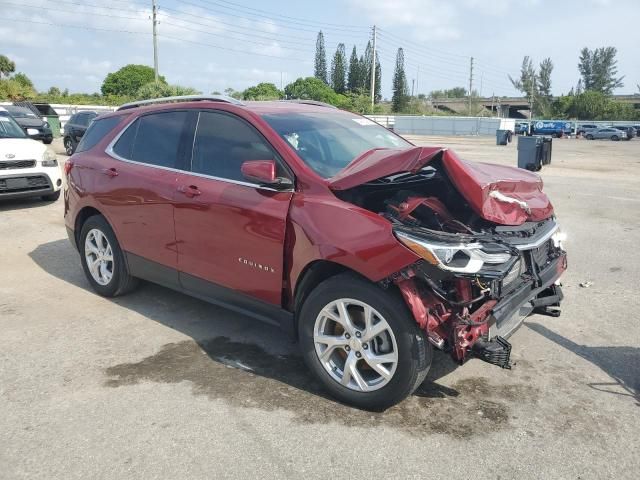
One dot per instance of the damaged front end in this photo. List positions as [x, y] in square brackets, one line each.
[476, 279]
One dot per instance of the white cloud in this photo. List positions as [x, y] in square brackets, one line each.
[426, 19]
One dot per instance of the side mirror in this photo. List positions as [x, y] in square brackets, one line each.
[264, 173]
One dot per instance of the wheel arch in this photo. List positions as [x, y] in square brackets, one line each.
[317, 272]
[83, 215]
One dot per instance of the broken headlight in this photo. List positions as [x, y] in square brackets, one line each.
[457, 258]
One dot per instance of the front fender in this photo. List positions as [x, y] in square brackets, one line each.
[321, 228]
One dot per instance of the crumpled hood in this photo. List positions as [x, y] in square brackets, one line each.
[497, 193]
[382, 162]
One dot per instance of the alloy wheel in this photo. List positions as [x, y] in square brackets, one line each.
[355, 345]
[99, 256]
[68, 146]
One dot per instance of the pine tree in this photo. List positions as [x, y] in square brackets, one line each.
[544, 85]
[320, 70]
[378, 88]
[599, 70]
[339, 69]
[400, 98]
[544, 78]
[366, 67]
[353, 79]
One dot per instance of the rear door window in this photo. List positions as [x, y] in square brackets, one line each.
[96, 132]
[160, 139]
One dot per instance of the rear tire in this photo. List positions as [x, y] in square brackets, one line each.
[391, 334]
[589, 137]
[102, 259]
[52, 197]
[615, 138]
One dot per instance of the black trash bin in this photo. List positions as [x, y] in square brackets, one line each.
[502, 137]
[534, 152]
[547, 142]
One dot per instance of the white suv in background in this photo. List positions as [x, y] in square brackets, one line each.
[27, 167]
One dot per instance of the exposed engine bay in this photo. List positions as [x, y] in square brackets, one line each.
[477, 279]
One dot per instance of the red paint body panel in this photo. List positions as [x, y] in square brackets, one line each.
[476, 182]
[326, 228]
[382, 163]
[140, 205]
[232, 235]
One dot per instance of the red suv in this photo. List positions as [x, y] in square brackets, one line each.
[369, 250]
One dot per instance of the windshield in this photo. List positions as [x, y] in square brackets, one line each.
[330, 141]
[18, 112]
[9, 128]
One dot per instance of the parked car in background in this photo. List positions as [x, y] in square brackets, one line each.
[582, 129]
[608, 133]
[75, 128]
[369, 250]
[31, 124]
[27, 167]
[630, 131]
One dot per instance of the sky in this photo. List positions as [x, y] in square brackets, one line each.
[212, 45]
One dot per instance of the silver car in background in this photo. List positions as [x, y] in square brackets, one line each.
[608, 133]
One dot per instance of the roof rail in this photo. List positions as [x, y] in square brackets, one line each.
[310, 102]
[182, 98]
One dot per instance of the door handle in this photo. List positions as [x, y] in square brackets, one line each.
[189, 191]
[110, 172]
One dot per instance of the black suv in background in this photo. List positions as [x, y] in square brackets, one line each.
[74, 130]
[32, 124]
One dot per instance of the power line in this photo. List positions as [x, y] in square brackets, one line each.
[39, 7]
[269, 15]
[218, 21]
[285, 24]
[66, 25]
[160, 35]
[232, 38]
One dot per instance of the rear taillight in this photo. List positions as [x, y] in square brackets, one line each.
[68, 165]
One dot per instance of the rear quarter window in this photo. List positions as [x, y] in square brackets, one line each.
[96, 132]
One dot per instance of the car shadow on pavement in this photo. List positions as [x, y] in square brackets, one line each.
[230, 339]
[24, 203]
[622, 364]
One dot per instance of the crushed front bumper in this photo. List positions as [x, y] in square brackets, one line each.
[509, 313]
[483, 331]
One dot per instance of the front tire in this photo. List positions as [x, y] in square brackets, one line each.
[362, 343]
[102, 259]
[589, 137]
[615, 138]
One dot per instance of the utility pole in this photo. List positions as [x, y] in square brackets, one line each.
[155, 39]
[531, 96]
[470, 83]
[413, 86]
[418, 80]
[373, 70]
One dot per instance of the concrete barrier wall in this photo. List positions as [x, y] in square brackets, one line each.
[414, 125]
